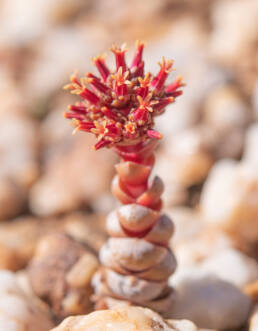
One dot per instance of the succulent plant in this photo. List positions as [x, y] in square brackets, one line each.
[119, 109]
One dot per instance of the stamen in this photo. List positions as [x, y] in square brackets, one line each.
[130, 127]
[74, 78]
[120, 82]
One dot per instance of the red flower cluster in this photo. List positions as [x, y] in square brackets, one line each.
[119, 107]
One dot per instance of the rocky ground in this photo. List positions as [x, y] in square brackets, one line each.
[54, 189]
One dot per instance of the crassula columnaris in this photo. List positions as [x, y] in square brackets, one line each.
[119, 108]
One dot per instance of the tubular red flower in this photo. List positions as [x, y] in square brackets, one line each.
[141, 115]
[74, 115]
[120, 56]
[78, 109]
[175, 94]
[143, 90]
[99, 62]
[137, 59]
[161, 104]
[86, 126]
[120, 82]
[165, 67]
[96, 83]
[90, 96]
[100, 144]
[139, 70]
[109, 113]
[175, 85]
[74, 79]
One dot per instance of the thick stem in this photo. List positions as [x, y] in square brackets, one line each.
[137, 260]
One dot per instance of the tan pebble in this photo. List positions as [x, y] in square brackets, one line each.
[123, 318]
[82, 272]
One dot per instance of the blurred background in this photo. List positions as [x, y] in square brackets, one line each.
[208, 158]
[53, 181]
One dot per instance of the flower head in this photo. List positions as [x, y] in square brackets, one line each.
[119, 107]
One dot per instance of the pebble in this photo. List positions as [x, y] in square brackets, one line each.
[229, 200]
[208, 301]
[18, 311]
[232, 266]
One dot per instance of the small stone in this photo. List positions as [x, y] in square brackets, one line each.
[12, 198]
[253, 324]
[126, 319]
[208, 301]
[60, 273]
[228, 43]
[19, 164]
[251, 153]
[225, 119]
[183, 162]
[60, 42]
[64, 186]
[20, 236]
[8, 258]
[232, 266]
[229, 200]
[39, 20]
[224, 109]
[251, 290]
[19, 311]
[196, 249]
[81, 273]
[19, 147]
[188, 224]
[89, 229]
[189, 161]
[255, 100]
